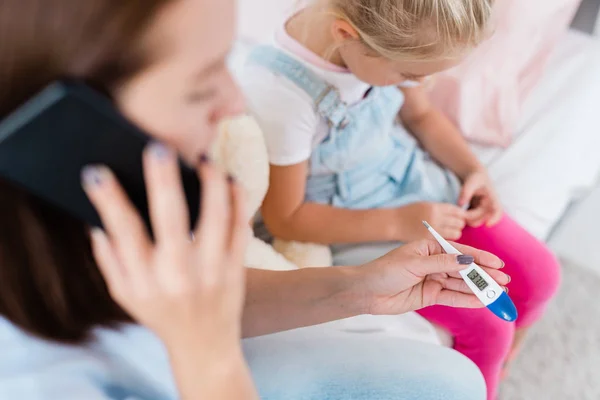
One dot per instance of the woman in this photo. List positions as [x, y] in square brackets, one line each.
[62, 299]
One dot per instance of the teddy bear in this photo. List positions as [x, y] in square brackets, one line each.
[240, 149]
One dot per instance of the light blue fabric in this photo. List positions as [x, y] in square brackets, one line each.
[328, 364]
[314, 363]
[367, 160]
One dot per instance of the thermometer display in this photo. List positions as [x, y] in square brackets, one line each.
[481, 284]
[477, 280]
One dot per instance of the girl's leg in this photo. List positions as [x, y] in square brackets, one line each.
[311, 364]
[534, 269]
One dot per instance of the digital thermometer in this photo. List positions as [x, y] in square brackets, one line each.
[481, 284]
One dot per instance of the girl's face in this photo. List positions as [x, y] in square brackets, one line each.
[180, 98]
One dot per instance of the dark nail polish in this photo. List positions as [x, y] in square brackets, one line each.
[503, 265]
[204, 159]
[506, 290]
[230, 179]
[509, 278]
[159, 150]
[465, 259]
[92, 176]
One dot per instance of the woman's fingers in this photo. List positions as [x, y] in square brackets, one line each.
[437, 264]
[455, 299]
[500, 277]
[166, 199]
[481, 258]
[212, 232]
[108, 262]
[430, 247]
[120, 218]
[239, 225]
[455, 284]
[497, 275]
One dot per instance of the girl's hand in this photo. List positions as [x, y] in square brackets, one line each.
[478, 192]
[184, 290]
[447, 219]
[419, 275]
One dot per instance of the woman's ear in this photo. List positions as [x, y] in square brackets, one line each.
[343, 31]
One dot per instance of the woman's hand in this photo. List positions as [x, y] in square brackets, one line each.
[184, 290]
[190, 292]
[448, 220]
[478, 192]
[420, 274]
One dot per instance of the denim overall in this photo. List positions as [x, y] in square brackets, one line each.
[367, 159]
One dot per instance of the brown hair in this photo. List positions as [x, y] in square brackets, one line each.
[50, 285]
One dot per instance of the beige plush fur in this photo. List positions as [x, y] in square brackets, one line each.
[240, 149]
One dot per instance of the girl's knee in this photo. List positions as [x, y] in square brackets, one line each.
[540, 279]
[550, 271]
[488, 336]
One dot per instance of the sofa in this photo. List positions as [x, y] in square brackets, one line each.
[552, 163]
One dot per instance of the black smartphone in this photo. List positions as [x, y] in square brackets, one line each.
[47, 141]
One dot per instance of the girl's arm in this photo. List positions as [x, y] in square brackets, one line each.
[288, 217]
[437, 133]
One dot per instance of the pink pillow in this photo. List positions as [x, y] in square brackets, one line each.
[484, 95]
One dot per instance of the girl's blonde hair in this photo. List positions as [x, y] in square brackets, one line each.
[417, 29]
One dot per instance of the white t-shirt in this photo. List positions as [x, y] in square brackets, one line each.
[285, 112]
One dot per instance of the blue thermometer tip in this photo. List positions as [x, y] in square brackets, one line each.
[504, 308]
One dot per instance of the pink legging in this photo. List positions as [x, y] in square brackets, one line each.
[535, 273]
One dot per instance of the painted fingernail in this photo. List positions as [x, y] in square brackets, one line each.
[230, 179]
[509, 278]
[506, 289]
[204, 159]
[159, 150]
[465, 259]
[503, 264]
[93, 175]
[97, 233]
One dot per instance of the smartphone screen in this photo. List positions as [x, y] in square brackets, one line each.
[46, 142]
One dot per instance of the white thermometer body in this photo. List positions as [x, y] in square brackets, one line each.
[481, 284]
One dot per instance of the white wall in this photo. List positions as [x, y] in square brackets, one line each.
[258, 18]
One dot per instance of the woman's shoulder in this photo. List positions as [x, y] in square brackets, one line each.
[36, 369]
[31, 368]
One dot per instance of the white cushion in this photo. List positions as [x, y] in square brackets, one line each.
[555, 157]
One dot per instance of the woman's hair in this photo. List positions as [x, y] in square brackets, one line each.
[417, 29]
[50, 285]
